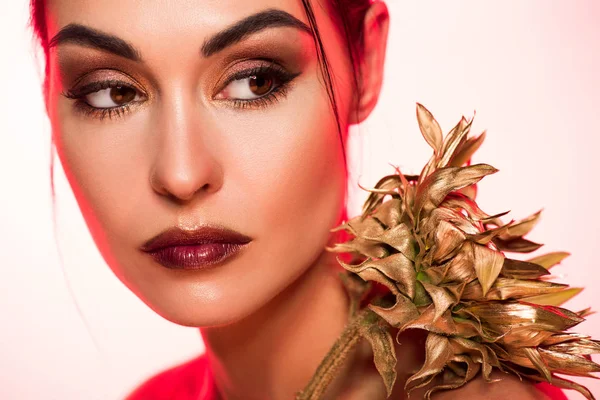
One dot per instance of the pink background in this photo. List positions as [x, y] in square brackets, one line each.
[528, 68]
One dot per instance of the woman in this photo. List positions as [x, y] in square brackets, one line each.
[205, 145]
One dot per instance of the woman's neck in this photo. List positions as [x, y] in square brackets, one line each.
[274, 352]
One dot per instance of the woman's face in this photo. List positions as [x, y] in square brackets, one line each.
[190, 139]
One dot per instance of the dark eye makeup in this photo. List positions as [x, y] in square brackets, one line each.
[273, 74]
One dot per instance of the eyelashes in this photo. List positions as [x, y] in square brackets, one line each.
[256, 88]
[95, 90]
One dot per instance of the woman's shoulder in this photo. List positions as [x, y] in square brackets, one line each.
[189, 380]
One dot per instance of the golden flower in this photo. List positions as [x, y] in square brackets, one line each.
[441, 261]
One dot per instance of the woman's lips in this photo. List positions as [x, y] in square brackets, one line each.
[194, 249]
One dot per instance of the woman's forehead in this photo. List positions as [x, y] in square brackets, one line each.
[156, 19]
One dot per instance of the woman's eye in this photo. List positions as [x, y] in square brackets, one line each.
[249, 88]
[111, 97]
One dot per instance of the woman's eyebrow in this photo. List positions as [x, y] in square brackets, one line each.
[87, 36]
[251, 24]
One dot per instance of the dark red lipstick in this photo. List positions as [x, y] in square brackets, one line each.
[203, 247]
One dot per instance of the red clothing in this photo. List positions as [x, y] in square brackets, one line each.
[188, 381]
[192, 381]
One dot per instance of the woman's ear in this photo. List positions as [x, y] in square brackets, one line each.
[370, 66]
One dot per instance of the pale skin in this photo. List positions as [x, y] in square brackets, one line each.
[185, 154]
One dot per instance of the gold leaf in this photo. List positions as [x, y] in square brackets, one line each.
[538, 362]
[448, 239]
[430, 129]
[387, 184]
[455, 138]
[518, 245]
[522, 227]
[384, 353]
[554, 299]
[577, 347]
[396, 267]
[570, 364]
[508, 316]
[506, 288]
[550, 259]
[478, 352]
[400, 238]
[389, 213]
[437, 354]
[563, 338]
[456, 200]
[442, 298]
[432, 191]
[487, 263]
[470, 191]
[365, 228]
[522, 269]
[566, 384]
[399, 314]
[368, 248]
[486, 236]
[464, 153]
[428, 321]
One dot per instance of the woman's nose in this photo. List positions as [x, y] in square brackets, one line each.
[184, 163]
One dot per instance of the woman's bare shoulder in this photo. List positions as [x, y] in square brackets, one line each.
[504, 385]
[182, 381]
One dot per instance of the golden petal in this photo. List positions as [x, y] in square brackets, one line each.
[437, 354]
[518, 245]
[525, 337]
[450, 379]
[427, 169]
[389, 212]
[464, 153]
[538, 362]
[442, 298]
[453, 141]
[461, 268]
[430, 129]
[368, 248]
[386, 184]
[522, 269]
[486, 236]
[365, 228]
[577, 347]
[522, 227]
[396, 267]
[432, 191]
[372, 274]
[506, 316]
[384, 353]
[399, 314]
[566, 384]
[563, 338]
[459, 201]
[430, 222]
[550, 259]
[505, 288]
[448, 238]
[487, 264]
[569, 364]
[470, 191]
[427, 320]
[478, 352]
[554, 299]
[400, 238]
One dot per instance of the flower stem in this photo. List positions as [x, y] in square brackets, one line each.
[334, 358]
